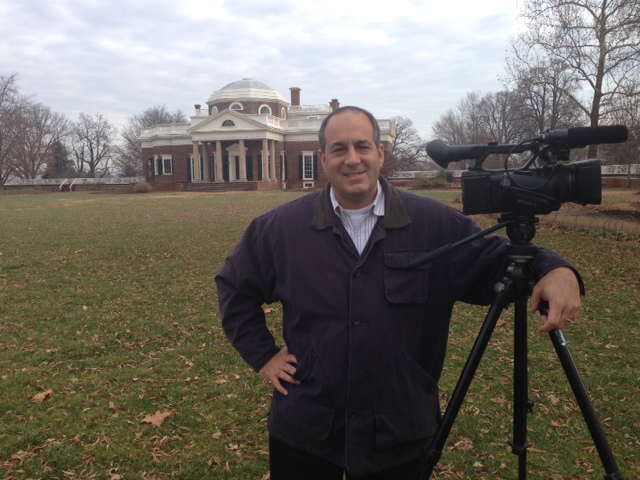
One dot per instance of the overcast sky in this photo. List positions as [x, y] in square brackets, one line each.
[409, 58]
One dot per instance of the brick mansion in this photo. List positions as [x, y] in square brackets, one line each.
[247, 137]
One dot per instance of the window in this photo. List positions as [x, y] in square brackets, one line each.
[168, 166]
[214, 111]
[164, 165]
[265, 110]
[228, 123]
[236, 106]
[308, 166]
[283, 113]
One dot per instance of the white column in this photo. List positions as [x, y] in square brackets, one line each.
[197, 174]
[243, 162]
[219, 168]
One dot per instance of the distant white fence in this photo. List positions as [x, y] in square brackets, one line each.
[61, 183]
[606, 170]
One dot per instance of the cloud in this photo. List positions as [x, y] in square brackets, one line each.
[411, 58]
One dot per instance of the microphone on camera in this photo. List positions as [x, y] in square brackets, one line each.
[580, 137]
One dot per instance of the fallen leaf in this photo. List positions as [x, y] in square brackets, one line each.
[157, 419]
[42, 396]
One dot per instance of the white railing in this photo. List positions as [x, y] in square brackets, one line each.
[606, 171]
[619, 170]
[422, 174]
[309, 109]
[61, 182]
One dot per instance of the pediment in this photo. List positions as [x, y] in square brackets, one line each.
[227, 120]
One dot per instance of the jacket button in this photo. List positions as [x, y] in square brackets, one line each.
[356, 321]
[357, 273]
[353, 416]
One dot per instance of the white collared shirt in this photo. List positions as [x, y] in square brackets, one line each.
[359, 223]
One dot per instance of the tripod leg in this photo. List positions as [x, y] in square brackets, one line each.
[521, 402]
[453, 407]
[586, 407]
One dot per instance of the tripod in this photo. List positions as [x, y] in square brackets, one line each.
[515, 287]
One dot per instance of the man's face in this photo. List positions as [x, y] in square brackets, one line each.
[351, 159]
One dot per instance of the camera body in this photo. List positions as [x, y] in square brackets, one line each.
[533, 191]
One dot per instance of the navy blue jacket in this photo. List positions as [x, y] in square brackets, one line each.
[369, 332]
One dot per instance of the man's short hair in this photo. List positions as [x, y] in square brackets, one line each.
[372, 119]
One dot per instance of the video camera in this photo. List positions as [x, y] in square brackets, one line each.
[529, 190]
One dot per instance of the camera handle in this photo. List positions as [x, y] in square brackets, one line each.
[515, 287]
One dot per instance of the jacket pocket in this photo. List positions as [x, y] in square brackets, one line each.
[407, 408]
[308, 410]
[402, 283]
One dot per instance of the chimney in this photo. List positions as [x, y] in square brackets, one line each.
[295, 96]
[335, 104]
[198, 111]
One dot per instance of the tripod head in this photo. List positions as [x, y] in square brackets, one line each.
[521, 228]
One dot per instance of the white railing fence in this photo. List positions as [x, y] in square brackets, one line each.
[62, 182]
[607, 171]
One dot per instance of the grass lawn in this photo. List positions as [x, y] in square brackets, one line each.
[113, 364]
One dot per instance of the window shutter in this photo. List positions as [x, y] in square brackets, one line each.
[315, 166]
[300, 167]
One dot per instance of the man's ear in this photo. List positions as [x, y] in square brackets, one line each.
[381, 153]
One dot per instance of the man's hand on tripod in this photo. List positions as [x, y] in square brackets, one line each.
[561, 290]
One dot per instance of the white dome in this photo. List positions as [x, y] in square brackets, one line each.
[246, 89]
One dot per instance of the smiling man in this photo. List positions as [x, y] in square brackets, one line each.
[356, 383]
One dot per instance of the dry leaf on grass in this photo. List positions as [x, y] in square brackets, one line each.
[42, 396]
[157, 419]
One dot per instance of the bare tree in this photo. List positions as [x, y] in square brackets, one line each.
[596, 41]
[627, 113]
[129, 155]
[501, 117]
[545, 89]
[40, 128]
[408, 149]
[11, 107]
[92, 145]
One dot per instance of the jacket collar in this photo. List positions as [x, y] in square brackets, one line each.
[395, 214]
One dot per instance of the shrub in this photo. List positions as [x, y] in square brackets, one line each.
[143, 187]
[446, 175]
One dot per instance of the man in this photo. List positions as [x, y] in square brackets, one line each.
[356, 384]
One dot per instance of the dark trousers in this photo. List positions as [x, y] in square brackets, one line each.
[288, 463]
